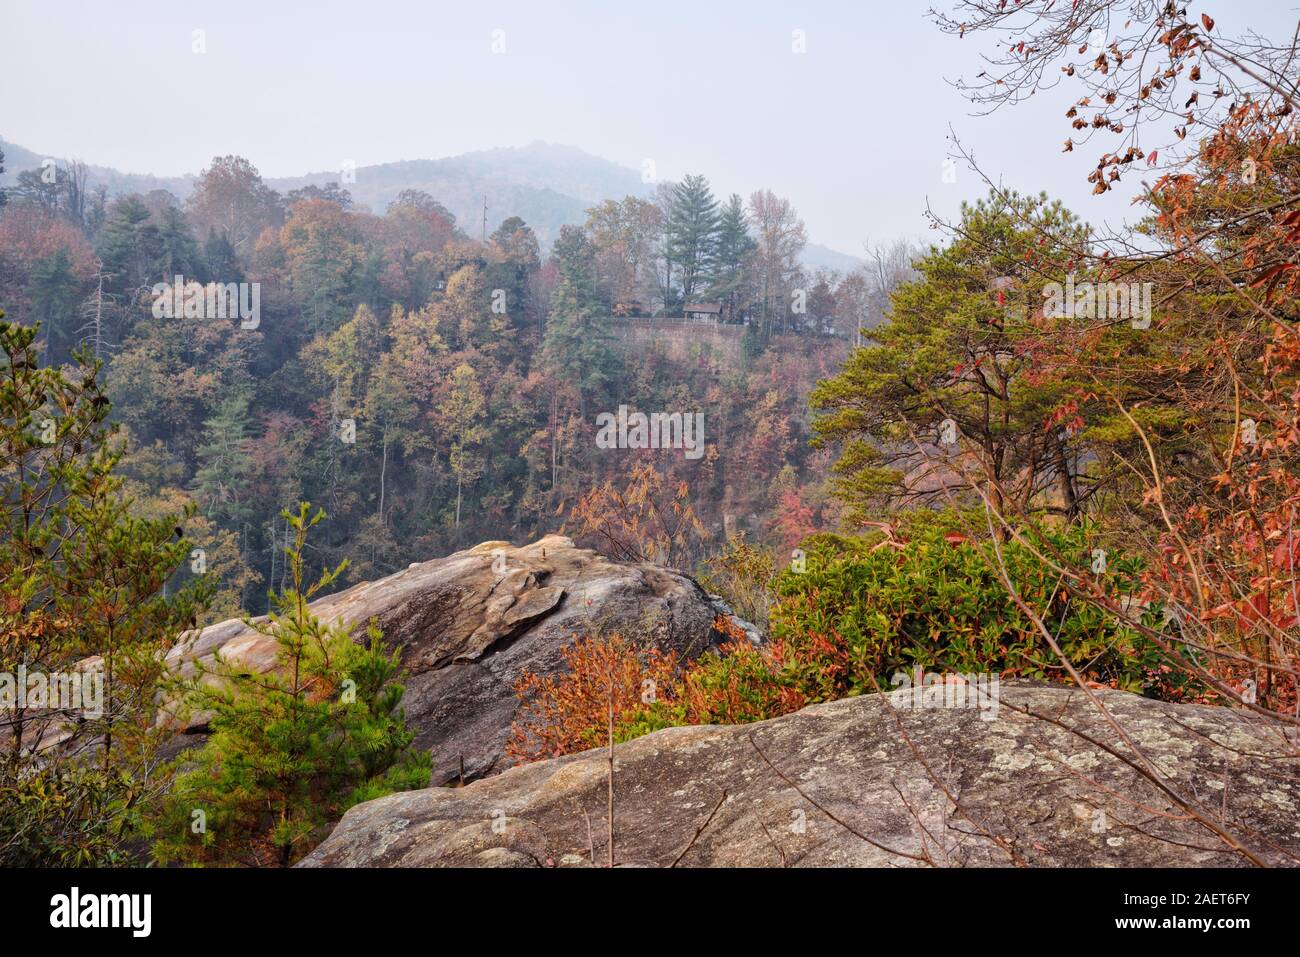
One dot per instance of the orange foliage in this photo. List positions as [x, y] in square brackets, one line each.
[569, 712]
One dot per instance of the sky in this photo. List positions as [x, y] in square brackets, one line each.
[854, 131]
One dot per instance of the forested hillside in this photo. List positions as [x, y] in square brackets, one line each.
[429, 388]
[333, 488]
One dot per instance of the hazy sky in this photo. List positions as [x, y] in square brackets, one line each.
[853, 131]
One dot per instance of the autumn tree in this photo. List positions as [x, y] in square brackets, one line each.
[323, 250]
[646, 519]
[623, 233]
[462, 418]
[780, 238]
[231, 200]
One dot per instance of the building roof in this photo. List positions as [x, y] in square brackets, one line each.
[703, 307]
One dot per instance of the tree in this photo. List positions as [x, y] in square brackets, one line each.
[735, 249]
[959, 348]
[330, 193]
[221, 478]
[418, 199]
[691, 231]
[81, 581]
[324, 252]
[231, 199]
[295, 747]
[574, 349]
[128, 246]
[462, 416]
[468, 316]
[219, 259]
[54, 298]
[98, 309]
[650, 519]
[623, 234]
[36, 190]
[780, 240]
[178, 252]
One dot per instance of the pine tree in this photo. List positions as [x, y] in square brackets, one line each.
[734, 248]
[81, 577]
[294, 748]
[128, 246]
[575, 347]
[178, 252]
[692, 234]
[54, 293]
[220, 260]
[221, 477]
[954, 350]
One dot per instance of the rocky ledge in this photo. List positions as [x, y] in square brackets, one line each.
[859, 782]
[471, 623]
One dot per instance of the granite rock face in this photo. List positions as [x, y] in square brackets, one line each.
[865, 782]
[470, 624]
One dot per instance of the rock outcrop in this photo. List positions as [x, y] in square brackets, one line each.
[471, 623]
[859, 782]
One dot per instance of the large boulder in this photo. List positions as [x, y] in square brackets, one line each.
[864, 782]
[469, 625]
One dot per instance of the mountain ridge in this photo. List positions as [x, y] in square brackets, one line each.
[547, 184]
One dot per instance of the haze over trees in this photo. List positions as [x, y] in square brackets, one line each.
[430, 388]
[921, 464]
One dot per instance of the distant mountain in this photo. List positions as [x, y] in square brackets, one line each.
[816, 256]
[547, 184]
[19, 158]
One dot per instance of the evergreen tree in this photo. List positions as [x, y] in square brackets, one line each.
[178, 252]
[54, 302]
[81, 577]
[734, 249]
[220, 481]
[294, 748]
[575, 348]
[956, 348]
[128, 246]
[220, 259]
[692, 235]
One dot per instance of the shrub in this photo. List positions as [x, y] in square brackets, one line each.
[932, 597]
[570, 711]
[922, 595]
[294, 748]
[743, 574]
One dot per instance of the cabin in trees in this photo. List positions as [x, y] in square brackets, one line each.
[703, 311]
